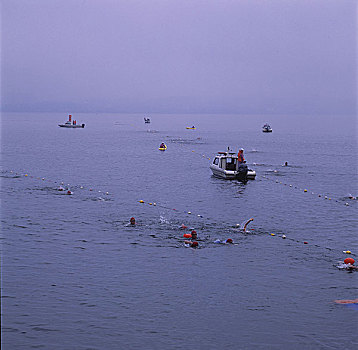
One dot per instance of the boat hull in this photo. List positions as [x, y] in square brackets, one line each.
[81, 126]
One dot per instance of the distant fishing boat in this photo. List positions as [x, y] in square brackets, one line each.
[266, 128]
[71, 124]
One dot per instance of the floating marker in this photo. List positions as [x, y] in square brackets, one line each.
[141, 201]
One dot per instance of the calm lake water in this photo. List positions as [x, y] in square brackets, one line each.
[76, 276]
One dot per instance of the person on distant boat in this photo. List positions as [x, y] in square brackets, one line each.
[132, 221]
[162, 145]
[240, 156]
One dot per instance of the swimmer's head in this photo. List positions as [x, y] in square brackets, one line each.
[349, 261]
[241, 150]
[194, 244]
[194, 234]
[229, 240]
[132, 220]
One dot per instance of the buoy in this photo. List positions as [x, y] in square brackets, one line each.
[349, 261]
[347, 252]
[272, 234]
[305, 242]
[305, 190]
[187, 235]
[283, 236]
[141, 201]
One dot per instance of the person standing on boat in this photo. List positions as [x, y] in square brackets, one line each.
[240, 156]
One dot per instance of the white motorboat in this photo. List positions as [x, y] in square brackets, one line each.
[266, 128]
[226, 166]
[71, 124]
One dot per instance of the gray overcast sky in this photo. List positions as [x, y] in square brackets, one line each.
[219, 56]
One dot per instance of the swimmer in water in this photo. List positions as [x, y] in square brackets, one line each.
[194, 237]
[347, 264]
[132, 221]
[246, 223]
[228, 241]
[190, 244]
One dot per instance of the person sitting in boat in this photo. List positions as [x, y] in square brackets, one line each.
[240, 156]
[162, 145]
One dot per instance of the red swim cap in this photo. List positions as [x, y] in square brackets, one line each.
[194, 244]
[193, 231]
[229, 240]
[349, 261]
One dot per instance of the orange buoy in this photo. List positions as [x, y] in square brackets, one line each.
[349, 261]
[187, 235]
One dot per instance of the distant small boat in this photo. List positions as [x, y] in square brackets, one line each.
[71, 124]
[266, 128]
[146, 120]
[191, 128]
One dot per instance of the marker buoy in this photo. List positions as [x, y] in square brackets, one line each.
[349, 261]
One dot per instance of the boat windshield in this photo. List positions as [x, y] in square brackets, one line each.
[231, 163]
